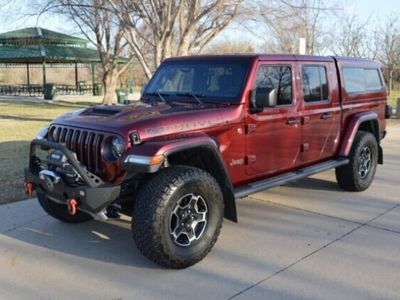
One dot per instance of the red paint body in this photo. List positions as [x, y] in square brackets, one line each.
[253, 145]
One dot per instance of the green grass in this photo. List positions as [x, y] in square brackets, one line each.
[393, 98]
[19, 124]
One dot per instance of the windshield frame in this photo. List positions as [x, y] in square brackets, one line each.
[246, 61]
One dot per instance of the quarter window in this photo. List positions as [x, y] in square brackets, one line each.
[276, 77]
[361, 80]
[315, 83]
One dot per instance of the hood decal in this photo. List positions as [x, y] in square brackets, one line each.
[179, 127]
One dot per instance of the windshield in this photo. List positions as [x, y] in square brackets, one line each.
[211, 79]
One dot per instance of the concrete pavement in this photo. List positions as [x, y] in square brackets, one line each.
[303, 240]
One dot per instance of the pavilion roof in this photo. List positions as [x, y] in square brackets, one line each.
[37, 45]
[38, 35]
[47, 53]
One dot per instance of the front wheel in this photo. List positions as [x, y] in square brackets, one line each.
[178, 216]
[359, 173]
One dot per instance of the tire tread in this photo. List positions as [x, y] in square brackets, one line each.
[346, 176]
[150, 206]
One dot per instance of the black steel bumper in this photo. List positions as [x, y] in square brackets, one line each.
[93, 195]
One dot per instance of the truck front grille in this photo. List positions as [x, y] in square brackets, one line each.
[86, 144]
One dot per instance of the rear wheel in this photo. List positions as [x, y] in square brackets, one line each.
[178, 216]
[60, 211]
[359, 173]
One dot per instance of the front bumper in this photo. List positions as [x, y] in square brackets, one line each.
[92, 194]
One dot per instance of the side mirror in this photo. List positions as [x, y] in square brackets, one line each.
[266, 97]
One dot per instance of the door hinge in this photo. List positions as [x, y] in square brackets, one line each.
[305, 147]
[251, 159]
[306, 120]
[250, 128]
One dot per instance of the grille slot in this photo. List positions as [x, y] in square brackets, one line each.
[85, 143]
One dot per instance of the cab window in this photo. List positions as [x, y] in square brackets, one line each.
[275, 77]
[315, 83]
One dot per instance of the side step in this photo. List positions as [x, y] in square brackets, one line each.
[261, 185]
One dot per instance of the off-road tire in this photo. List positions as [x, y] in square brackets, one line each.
[153, 208]
[348, 176]
[60, 211]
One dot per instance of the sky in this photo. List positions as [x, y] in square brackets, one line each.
[8, 20]
[365, 8]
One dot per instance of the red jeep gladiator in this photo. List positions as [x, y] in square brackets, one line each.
[209, 130]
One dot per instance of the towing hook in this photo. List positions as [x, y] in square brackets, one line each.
[28, 188]
[72, 206]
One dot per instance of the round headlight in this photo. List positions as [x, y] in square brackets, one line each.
[117, 146]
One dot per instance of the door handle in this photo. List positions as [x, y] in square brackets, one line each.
[293, 121]
[326, 116]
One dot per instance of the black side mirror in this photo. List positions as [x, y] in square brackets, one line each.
[265, 97]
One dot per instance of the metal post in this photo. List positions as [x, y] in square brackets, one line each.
[44, 73]
[27, 75]
[93, 80]
[302, 46]
[76, 75]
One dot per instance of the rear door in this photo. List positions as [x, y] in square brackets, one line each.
[320, 110]
[273, 136]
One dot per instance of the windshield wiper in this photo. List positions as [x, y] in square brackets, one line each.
[159, 95]
[193, 95]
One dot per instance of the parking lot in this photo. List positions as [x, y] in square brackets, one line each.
[307, 239]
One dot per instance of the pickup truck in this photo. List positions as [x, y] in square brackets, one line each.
[207, 131]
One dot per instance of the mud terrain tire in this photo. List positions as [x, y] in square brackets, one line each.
[161, 200]
[357, 176]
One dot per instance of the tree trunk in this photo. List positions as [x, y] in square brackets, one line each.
[185, 43]
[391, 79]
[110, 85]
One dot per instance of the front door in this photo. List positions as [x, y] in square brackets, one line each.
[273, 135]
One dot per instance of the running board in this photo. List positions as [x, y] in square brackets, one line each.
[258, 186]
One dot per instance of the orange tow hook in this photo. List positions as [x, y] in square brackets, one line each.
[28, 188]
[72, 204]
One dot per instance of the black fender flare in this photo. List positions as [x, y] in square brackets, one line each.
[144, 153]
[354, 123]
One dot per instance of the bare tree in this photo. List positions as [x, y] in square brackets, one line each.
[229, 47]
[289, 20]
[99, 25]
[170, 28]
[350, 37]
[388, 46]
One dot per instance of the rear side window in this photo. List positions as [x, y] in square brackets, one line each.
[276, 77]
[372, 80]
[315, 83]
[361, 80]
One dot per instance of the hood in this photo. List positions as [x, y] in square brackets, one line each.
[149, 121]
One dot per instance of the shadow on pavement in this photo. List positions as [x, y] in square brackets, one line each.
[315, 184]
[109, 242]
